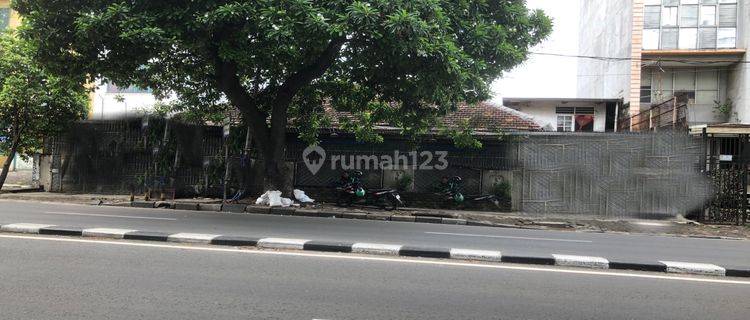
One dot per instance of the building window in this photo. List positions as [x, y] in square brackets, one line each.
[688, 38]
[689, 24]
[575, 119]
[669, 16]
[669, 38]
[726, 38]
[4, 18]
[689, 16]
[728, 15]
[564, 123]
[708, 16]
[699, 87]
[652, 17]
[646, 87]
[651, 39]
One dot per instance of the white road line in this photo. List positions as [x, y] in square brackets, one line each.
[108, 215]
[384, 259]
[506, 237]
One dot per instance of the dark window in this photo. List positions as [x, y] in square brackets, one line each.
[684, 96]
[645, 94]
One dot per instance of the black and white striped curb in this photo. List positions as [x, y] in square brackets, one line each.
[384, 250]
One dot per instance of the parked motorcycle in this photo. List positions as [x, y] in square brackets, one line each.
[450, 190]
[351, 190]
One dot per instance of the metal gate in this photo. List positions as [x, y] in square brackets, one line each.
[726, 164]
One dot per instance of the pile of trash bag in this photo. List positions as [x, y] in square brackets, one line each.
[274, 199]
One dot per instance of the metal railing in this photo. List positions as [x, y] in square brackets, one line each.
[666, 115]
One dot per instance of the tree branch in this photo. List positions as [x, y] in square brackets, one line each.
[230, 83]
[310, 72]
[286, 92]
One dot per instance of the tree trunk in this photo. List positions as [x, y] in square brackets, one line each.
[6, 165]
[275, 168]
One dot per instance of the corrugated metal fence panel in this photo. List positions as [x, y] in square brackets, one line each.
[645, 176]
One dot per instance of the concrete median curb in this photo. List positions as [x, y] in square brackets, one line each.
[553, 259]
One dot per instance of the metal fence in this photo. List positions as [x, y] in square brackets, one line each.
[608, 175]
[666, 115]
[612, 175]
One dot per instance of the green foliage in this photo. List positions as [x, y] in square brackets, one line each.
[423, 55]
[502, 189]
[403, 183]
[723, 109]
[463, 135]
[398, 62]
[33, 102]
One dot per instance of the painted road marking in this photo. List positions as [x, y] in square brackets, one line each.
[580, 261]
[108, 215]
[25, 227]
[106, 232]
[694, 268]
[506, 237]
[192, 237]
[385, 259]
[282, 243]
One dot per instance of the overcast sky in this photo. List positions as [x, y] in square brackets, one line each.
[544, 76]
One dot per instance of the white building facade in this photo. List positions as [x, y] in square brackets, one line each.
[109, 101]
[649, 51]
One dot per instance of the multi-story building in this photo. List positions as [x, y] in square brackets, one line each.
[649, 51]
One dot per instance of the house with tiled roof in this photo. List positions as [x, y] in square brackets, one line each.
[569, 115]
[484, 118]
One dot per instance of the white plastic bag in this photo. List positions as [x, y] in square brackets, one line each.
[263, 199]
[274, 198]
[286, 202]
[302, 197]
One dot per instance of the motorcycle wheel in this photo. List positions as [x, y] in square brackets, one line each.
[388, 202]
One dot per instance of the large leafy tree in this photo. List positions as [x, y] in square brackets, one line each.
[278, 61]
[33, 103]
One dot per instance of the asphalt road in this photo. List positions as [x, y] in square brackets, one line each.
[86, 279]
[509, 241]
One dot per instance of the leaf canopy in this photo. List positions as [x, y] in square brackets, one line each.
[396, 61]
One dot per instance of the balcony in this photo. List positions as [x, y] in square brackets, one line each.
[691, 57]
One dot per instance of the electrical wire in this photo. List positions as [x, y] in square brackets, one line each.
[629, 59]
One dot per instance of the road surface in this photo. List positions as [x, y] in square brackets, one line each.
[65, 278]
[508, 241]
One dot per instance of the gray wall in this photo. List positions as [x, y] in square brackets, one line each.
[612, 175]
[605, 31]
[739, 75]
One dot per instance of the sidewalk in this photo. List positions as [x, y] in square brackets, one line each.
[675, 227]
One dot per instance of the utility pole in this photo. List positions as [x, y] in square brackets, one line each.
[227, 129]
